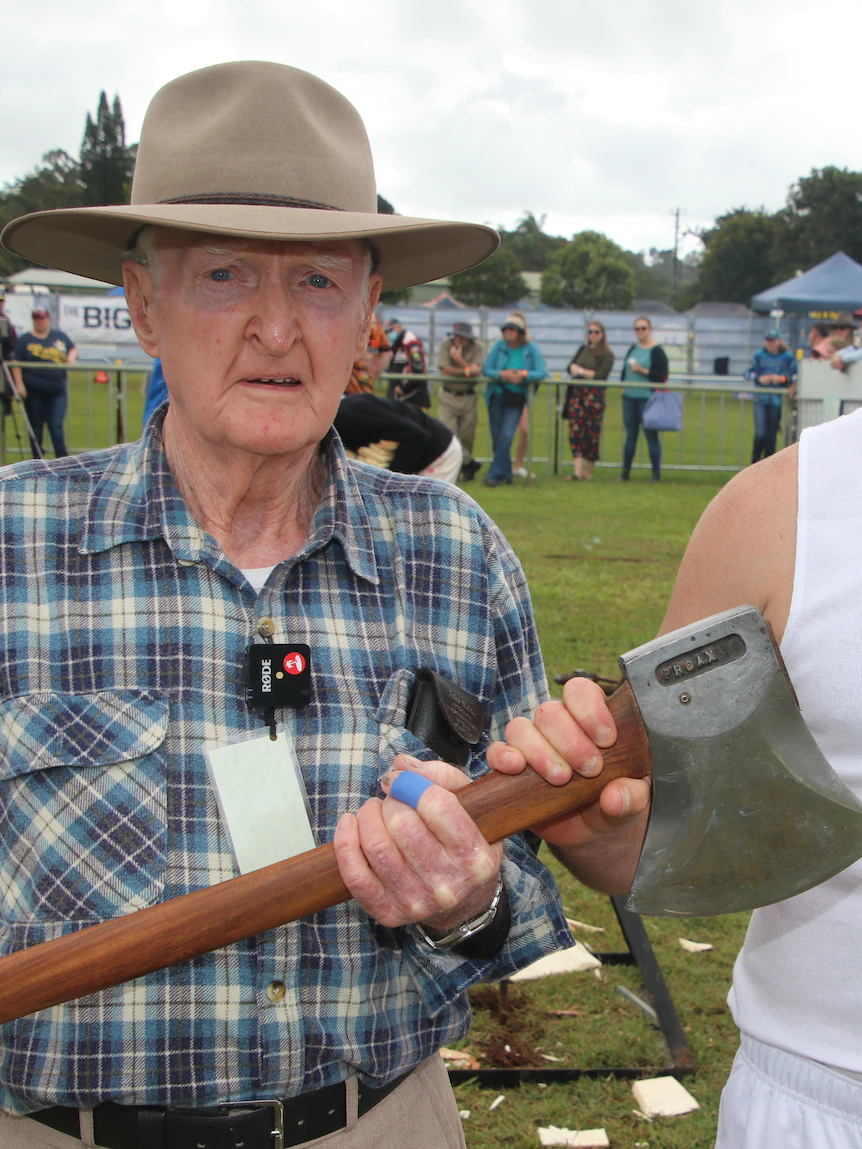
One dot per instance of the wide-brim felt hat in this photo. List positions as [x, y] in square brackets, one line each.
[259, 151]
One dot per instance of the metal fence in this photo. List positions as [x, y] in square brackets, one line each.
[105, 407]
[717, 426]
[693, 342]
[717, 431]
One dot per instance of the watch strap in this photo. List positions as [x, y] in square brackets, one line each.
[482, 937]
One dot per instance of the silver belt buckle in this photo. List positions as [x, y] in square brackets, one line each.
[277, 1108]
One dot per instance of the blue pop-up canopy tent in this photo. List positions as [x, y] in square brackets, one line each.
[833, 285]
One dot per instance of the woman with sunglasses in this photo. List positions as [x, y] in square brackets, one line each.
[585, 406]
[645, 361]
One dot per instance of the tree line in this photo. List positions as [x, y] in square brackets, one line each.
[102, 174]
[745, 251]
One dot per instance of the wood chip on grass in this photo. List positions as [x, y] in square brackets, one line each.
[663, 1097]
[691, 947]
[574, 960]
[583, 1139]
[459, 1058]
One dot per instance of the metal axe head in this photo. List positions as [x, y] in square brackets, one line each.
[746, 811]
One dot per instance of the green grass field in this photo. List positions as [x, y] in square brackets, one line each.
[600, 558]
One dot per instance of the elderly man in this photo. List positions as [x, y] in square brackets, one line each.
[460, 360]
[140, 582]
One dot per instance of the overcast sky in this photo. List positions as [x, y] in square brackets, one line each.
[604, 116]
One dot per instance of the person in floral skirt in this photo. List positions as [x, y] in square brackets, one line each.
[585, 406]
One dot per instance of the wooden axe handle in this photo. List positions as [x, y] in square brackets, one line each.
[117, 951]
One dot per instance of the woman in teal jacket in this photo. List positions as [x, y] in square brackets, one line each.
[513, 363]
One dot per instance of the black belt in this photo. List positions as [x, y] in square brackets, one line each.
[452, 391]
[254, 1124]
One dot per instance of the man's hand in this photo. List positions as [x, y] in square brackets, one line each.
[837, 362]
[601, 843]
[404, 866]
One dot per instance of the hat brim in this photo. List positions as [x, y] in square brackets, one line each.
[91, 241]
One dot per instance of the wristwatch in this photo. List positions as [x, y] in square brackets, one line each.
[468, 931]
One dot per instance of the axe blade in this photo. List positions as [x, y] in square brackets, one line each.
[746, 810]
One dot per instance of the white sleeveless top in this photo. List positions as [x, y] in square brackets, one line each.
[797, 982]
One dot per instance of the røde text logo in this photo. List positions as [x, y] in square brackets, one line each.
[266, 675]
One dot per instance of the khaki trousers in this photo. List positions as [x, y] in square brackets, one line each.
[420, 1114]
[459, 414]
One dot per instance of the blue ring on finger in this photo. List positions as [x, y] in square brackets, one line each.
[409, 788]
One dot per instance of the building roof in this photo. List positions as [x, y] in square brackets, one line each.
[712, 310]
[652, 307]
[55, 280]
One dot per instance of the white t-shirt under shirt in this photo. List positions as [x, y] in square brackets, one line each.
[257, 576]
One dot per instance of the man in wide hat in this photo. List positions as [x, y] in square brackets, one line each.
[139, 583]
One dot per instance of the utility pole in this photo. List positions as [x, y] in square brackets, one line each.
[673, 274]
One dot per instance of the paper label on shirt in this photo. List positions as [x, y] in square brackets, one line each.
[262, 800]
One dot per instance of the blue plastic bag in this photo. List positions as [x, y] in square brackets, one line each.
[663, 411]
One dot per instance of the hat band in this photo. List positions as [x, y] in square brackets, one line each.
[253, 199]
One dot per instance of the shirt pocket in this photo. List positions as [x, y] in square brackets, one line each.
[390, 719]
[83, 805]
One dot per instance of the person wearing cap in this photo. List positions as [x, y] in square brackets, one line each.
[772, 366]
[44, 389]
[459, 361]
[843, 331]
[846, 352]
[407, 359]
[513, 364]
[140, 580]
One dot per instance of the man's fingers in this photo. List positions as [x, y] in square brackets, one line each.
[554, 744]
[622, 802]
[586, 702]
[505, 759]
[355, 871]
[625, 798]
[439, 815]
[440, 773]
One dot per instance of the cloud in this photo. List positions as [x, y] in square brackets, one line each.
[604, 116]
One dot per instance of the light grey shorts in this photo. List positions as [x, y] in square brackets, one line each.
[775, 1100]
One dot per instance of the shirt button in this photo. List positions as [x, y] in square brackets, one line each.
[276, 991]
[265, 627]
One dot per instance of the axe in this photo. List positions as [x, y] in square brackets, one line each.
[746, 811]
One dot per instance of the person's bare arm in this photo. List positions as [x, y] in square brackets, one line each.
[741, 552]
[743, 549]
[72, 357]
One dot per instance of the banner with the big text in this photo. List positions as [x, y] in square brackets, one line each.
[95, 319]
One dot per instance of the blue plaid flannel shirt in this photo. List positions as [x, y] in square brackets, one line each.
[124, 630]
